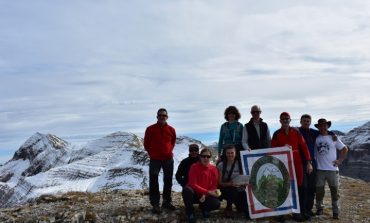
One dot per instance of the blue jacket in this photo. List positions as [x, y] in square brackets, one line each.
[230, 133]
[310, 136]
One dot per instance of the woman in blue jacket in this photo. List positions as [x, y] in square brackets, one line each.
[231, 131]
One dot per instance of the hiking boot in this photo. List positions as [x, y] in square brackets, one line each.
[228, 213]
[205, 214]
[320, 212]
[336, 216]
[246, 214]
[307, 216]
[310, 212]
[191, 218]
[156, 209]
[298, 217]
[168, 206]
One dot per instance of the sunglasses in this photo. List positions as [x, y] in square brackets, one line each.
[193, 150]
[285, 119]
[162, 115]
[255, 112]
[205, 156]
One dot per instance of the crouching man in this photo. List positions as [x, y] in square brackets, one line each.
[182, 173]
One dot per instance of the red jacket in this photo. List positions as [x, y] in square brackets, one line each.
[296, 141]
[159, 141]
[203, 178]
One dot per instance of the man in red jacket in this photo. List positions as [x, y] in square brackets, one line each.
[288, 136]
[159, 141]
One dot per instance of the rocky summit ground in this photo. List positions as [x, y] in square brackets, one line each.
[132, 206]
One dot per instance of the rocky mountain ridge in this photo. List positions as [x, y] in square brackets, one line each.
[46, 164]
[85, 180]
[357, 163]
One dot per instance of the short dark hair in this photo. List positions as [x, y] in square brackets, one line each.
[204, 150]
[232, 109]
[228, 146]
[162, 110]
[194, 146]
[306, 116]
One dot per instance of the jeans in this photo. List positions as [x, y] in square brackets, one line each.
[154, 168]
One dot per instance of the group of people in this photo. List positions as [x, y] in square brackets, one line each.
[314, 155]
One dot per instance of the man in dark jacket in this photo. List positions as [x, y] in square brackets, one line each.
[182, 174]
[309, 180]
[256, 133]
[159, 141]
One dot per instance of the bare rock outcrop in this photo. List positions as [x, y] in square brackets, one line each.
[357, 163]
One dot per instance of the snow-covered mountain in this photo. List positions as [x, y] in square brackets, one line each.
[46, 164]
[357, 163]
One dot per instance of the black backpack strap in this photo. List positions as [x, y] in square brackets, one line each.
[231, 171]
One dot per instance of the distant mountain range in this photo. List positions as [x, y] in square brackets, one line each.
[47, 164]
[357, 164]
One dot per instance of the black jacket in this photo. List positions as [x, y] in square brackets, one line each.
[183, 170]
[253, 141]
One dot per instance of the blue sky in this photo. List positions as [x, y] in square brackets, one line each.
[83, 69]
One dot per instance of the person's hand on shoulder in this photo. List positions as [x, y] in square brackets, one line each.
[334, 137]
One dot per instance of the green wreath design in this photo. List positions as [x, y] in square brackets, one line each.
[271, 189]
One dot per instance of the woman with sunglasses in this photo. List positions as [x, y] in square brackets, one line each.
[233, 183]
[201, 187]
[231, 132]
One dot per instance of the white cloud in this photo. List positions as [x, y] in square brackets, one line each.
[92, 67]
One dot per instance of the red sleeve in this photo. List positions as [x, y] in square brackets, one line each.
[193, 180]
[147, 139]
[173, 138]
[215, 185]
